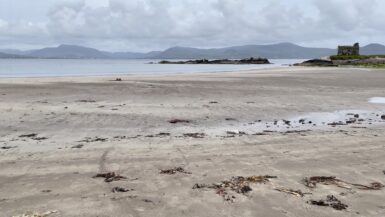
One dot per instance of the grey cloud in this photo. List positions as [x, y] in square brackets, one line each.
[157, 24]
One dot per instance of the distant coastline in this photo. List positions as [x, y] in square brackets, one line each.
[273, 51]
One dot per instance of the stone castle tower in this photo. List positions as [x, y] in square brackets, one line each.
[349, 50]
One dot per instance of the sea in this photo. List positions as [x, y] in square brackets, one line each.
[11, 68]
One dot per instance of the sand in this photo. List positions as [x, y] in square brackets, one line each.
[56, 134]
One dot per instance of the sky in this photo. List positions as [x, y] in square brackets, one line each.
[147, 25]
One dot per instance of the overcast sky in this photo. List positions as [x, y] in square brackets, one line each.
[144, 25]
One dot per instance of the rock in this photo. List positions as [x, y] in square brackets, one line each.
[383, 117]
[220, 61]
[316, 62]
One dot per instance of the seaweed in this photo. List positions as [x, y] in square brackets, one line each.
[331, 201]
[109, 176]
[237, 184]
[332, 180]
[173, 171]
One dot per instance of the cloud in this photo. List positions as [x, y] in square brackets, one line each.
[157, 24]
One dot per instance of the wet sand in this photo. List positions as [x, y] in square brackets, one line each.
[56, 134]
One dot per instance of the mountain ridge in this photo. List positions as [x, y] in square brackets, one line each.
[283, 50]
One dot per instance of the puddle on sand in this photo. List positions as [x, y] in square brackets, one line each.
[377, 100]
[310, 121]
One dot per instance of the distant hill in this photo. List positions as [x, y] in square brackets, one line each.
[10, 56]
[373, 49]
[131, 55]
[14, 51]
[277, 51]
[273, 51]
[68, 52]
[79, 52]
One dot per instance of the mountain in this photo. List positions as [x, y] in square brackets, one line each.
[277, 51]
[69, 52]
[372, 49]
[10, 56]
[272, 51]
[131, 55]
[79, 52]
[14, 51]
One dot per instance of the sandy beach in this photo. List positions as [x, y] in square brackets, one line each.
[273, 127]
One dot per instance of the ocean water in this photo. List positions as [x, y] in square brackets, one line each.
[86, 67]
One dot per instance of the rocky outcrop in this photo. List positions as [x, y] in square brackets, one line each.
[221, 61]
[374, 60]
[348, 62]
[316, 62]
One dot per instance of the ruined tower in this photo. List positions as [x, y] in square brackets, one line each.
[349, 50]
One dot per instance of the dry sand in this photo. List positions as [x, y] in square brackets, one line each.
[118, 125]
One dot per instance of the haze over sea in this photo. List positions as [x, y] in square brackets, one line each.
[97, 67]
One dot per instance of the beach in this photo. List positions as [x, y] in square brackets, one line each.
[61, 136]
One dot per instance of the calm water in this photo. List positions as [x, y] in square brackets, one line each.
[59, 67]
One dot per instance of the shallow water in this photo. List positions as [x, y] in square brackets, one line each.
[310, 121]
[90, 67]
[377, 100]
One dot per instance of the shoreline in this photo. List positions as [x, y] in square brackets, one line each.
[110, 77]
[115, 69]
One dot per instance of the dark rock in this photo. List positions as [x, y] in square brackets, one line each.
[316, 62]
[221, 61]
